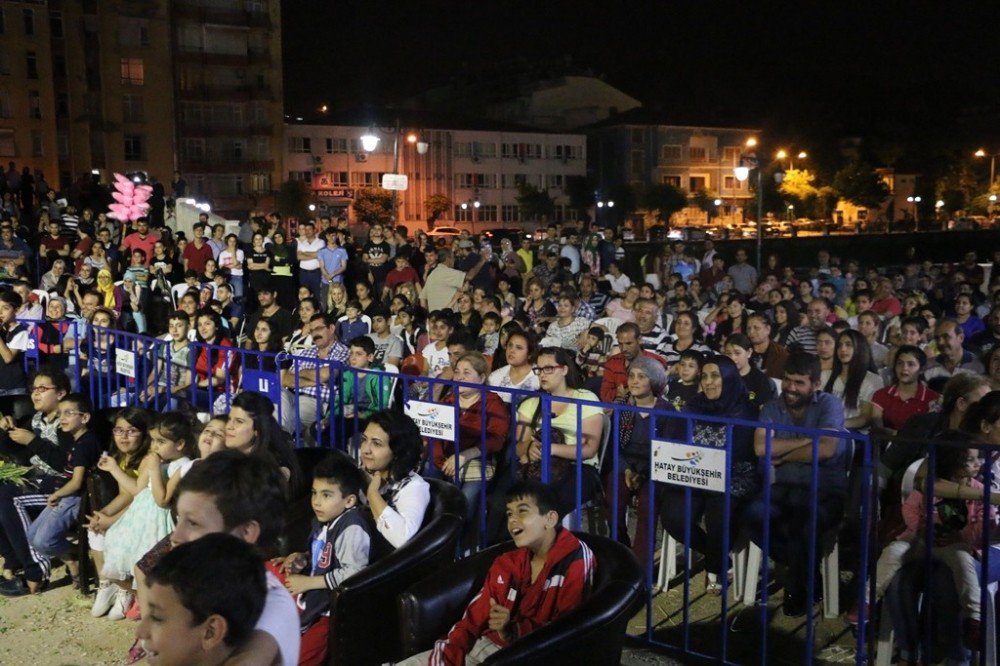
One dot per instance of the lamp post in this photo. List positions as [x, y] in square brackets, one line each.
[370, 141]
[474, 205]
[782, 154]
[993, 163]
[601, 203]
[916, 210]
[749, 161]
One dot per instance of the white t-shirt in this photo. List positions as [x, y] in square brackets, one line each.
[302, 245]
[437, 359]
[234, 264]
[280, 619]
[501, 377]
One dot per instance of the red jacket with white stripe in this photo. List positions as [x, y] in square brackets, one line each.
[561, 586]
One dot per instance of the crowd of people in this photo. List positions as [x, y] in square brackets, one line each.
[910, 354]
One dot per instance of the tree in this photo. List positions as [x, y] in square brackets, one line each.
[705, 201]
[293, 199]
[580, 191]
[534, 203]
[861, 185]
[665, 199]
[436, 205]
[373, 206]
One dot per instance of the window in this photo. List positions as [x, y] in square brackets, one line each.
[696, 183]
[671, 180]
[487, 214]
[566, 152]
[638, 161]
[555, 180]
[337, 178]
[299, 144]
[260, 182]
[56, 24]
[731, 183]
[36, 143]
[193, 150]
[135, 147]
[510, 213]
[671, 153]
[256, 6]
[365, 179]
[301, 175]
[62, 105]
[133, 32]
[7, 146]
[29, 21]
[730, 154]
[132, 111]
[5, 111]
[470, 181]
[31, 64]
[697, 154]
[463, 214]
[59, 65]
[336, 146]
[132, 72]
[34, 104]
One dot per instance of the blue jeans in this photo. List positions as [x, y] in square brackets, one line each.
[312, 280]
[47, 533]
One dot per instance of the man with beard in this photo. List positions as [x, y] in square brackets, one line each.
[803, 405]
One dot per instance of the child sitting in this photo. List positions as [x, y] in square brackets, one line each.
[363, 392]
[958, 534]
[548, 575]
[47, 533]
[593, 353]
[339, 547]
[202, 601]
[685, 379]
[148, 519]
[489, 335]
[351, 325]
[243, 495]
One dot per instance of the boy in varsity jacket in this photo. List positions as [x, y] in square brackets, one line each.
[339, 547]
[549, 574]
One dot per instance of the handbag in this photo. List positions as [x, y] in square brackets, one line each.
[559, 468]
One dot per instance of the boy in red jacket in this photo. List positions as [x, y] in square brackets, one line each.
[548, 574]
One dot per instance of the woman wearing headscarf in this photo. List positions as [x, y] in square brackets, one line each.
[106, 289]
[723, 395]
[646, 381]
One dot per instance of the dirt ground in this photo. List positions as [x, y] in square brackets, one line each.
[55, 629]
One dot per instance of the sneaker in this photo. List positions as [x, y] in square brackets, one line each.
[133, 612]
[15, 587]
[105, 599]
[123, 600]
[854, 614]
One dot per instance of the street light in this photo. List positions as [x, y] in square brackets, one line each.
[370, 141]
[782, 155]
[993, 162]
[747, 162]
[916, 211]
[474, 205]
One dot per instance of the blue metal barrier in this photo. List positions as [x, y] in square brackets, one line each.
[122, 368]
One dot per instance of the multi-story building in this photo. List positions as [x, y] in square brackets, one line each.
[467, 162]
[634, 149]
[145, 85]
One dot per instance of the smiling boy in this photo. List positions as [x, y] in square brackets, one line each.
[548, 574]
[202, 602]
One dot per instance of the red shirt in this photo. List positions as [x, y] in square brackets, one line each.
[887, 306]
[135, 242]
[217, 358]
[196, 257]
[408, 274]
[896, 411]
[469, 423]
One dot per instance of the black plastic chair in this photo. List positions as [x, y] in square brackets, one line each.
[363, 609]
[593, 633]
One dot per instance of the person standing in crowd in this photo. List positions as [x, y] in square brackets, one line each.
[307, 253]
[198, 252]
[743, 274]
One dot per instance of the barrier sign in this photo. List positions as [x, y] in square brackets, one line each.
[262, 382]
[681, 464]
[394, 181]
[434, 420]
[125, 363]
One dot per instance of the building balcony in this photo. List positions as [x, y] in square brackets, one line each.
[191, 130]
[226, 165]
[222, 93]
[192, 12]
[200, 57]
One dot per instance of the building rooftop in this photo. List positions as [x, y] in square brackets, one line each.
[658, 116]
[410, 119]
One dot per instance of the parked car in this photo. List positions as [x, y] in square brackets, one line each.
[444, 231]
[515, 234]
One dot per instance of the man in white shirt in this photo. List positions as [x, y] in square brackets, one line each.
[442, 281]
[307, 252]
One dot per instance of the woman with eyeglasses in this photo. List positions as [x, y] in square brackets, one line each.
[559, 377]
[34, 444]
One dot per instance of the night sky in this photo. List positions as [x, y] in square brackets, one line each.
[895, 70]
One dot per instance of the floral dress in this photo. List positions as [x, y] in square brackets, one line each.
[142, 526]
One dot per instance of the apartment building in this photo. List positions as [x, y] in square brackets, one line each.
[469, 162]
[145, 85]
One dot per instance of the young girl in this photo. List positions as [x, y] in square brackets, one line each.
[337, 303]
[213, 437]
[121, 468]
[148, 519]
[958, 526]
[414, 332]
[684, 385]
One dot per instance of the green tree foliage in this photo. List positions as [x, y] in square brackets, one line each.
[535, 204]
[580, 191]
[858, 183]
[436, 205]
[664, 199]
[373, 206]
[293, 199]
[704, 200]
